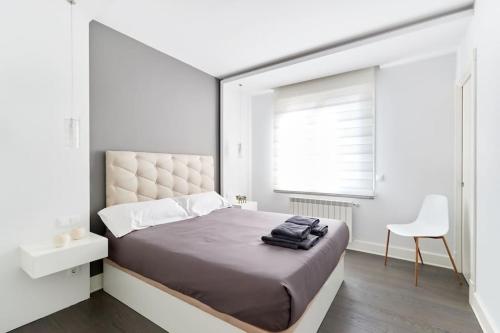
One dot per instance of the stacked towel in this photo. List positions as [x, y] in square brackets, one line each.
[301, 220]
[316, 228]
[297, 232]
[320, 230]
[305, 244]
[292, 232]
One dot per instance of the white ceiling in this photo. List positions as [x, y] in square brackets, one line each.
[222, 37]
[427, 40]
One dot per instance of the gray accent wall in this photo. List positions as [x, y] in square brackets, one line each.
[144, 100]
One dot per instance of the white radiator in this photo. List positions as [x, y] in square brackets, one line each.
[336, 210]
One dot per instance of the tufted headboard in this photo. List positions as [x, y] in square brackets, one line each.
[134, 176]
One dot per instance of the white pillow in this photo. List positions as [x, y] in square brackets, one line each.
[202, 203]
[124, 218]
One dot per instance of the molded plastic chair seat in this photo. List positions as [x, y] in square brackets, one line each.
[432, 222]
[418, 229]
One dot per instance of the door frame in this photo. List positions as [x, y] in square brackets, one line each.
[469, 74]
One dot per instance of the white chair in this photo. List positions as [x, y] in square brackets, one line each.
[432, 222]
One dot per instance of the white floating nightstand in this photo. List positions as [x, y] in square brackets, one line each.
[41, 259]
[249, 205]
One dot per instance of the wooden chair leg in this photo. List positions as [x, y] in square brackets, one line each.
[452, 261]
[419, 253]
[387, 246]
[416, 261]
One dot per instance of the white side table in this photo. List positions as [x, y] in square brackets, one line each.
[249, 205]
[42, 258]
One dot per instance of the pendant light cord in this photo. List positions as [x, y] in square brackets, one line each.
[72, 65]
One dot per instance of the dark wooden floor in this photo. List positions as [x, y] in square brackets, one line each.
[376, 299]
[372, 299]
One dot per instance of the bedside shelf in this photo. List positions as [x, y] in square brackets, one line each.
[41, 259]
[249, 205]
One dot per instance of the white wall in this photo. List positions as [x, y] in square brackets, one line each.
[484, 35]
[41, 178]
[262, 156]
[415, 153]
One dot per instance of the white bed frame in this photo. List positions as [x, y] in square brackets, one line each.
[124, 173]
[178, 316]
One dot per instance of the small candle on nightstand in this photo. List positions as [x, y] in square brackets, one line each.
[61, 240]
[78, 233]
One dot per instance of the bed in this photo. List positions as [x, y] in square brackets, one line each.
[212, 273]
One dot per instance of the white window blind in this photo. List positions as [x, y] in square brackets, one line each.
[324, 135]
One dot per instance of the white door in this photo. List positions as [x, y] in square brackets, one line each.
[467, 178]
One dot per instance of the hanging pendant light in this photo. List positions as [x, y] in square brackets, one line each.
[72, 123]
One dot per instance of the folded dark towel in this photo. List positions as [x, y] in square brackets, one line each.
[319, 230]
[310, 221]
[280, 242]
[306, 244]
[291, 231]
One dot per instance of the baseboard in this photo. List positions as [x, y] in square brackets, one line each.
[430, 258]
[95, 283]
[483, 316]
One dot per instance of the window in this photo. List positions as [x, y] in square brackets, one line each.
[324, 135]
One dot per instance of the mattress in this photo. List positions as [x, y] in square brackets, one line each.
[220, 260]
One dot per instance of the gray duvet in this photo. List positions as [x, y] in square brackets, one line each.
[220, 260]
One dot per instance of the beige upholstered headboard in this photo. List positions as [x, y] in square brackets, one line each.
[134, 176]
